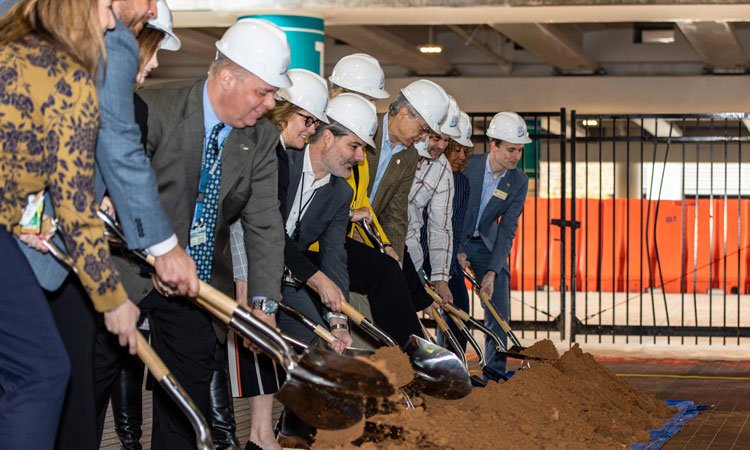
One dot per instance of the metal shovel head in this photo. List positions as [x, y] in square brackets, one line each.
[354, 375]
[439, 372]
[319, 407]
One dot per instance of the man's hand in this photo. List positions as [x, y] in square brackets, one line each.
[391, 252]
[361, 213]
[442, 289]
[461, 257]
[107, 206]
[34, 240]
[176, 270]
[240, 293]
[343, 338]
[488, 284]
[268, 319]
[329, 293]
[121, 321]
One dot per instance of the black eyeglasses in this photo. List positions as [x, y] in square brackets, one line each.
[309, 120]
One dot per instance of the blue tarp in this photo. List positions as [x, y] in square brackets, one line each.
[686, 411]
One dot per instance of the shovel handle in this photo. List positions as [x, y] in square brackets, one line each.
[441, 323]
[491, 308]
[352, 313]
[431, 292]
[460, 313]
[459, 323]
[149, 357]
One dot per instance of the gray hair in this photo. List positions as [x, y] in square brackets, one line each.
[221, 62]
[399, 103]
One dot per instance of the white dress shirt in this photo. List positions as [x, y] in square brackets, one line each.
[304, 193]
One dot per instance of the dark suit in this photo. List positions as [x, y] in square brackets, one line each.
[325, 220]
[183, 333]
[491, 250]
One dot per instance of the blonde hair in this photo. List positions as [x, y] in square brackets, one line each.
[280, 114]
[454, 146]
[71, 25]
[149, 41]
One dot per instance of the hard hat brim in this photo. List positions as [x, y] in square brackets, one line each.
[463, 141]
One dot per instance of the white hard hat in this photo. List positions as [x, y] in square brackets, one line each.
[163, 23]
[464, 126]
[450, 123]
[509, 127]
[356, 113]
[309, 91]
[259, 47]
[430, 101]
[421, 147]
[361, 73]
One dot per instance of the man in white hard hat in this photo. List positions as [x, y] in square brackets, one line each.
[498, 191]
[432, 189]
[361, 74]
[215, 162]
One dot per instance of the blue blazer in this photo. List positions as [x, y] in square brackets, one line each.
[498, 237]
[122, 167]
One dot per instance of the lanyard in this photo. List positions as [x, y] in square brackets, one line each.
[301, 209]
[207, 174]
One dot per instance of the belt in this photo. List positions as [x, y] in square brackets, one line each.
[475, 238]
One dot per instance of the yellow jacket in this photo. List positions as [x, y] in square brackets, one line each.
[359, 186]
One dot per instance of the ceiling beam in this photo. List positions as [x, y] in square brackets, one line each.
[550, 44]
[469, 39]
[387, 46]
[659, 127]
[716, 44]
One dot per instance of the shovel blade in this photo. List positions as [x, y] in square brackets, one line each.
[354, 376]
[319, 407]
[439, 372]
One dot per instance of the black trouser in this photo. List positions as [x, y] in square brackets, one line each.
[75, 318]
[380, 277]
[185, 340]
[419, 296]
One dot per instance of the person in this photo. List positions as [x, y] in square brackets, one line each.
[299, 111]
[361, 74]
[214, 159]
[498, 192]
[432, 189]
[318, 210]
[126, 391]
[49, 136]
[459, 148]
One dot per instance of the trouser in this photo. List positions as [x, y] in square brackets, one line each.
[479, 256]
[184, 339]
[419, 296]
[461, 301]
[34, 366]
[75, 317]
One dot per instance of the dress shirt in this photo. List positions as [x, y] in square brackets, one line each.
[489, 183]
[304, 193]
[386, 153]
[432, 190]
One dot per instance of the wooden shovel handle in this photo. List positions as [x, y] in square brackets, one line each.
[441, 323]
[352, 313]
[457, 312]
[151, 359]
[459, 323]
[433, 294]
[491, 308]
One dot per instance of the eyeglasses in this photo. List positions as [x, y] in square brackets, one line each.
[309, 120]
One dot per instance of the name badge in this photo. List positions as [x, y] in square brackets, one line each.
[500, 194]
[197, 236]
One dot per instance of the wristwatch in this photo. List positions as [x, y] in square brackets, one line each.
[265, 304]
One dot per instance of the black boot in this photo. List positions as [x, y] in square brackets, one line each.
[221, 413]
[126, 404]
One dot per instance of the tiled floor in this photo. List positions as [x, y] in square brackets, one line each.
[724, 386]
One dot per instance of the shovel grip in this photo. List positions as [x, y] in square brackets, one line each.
[441, 323]
[324, 334]
[431, 292]
[459, 323]
[151, 359]
[352, 313]
[491, 308]
[463, 315]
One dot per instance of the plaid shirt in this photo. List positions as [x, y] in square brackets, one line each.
[432, 189]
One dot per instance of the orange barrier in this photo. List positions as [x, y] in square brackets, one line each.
[532, 230]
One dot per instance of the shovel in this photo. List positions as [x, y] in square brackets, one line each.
[517, 347]
[315, 389]
[158, 369]
[439, 372]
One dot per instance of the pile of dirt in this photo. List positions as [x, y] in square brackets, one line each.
[543, 349]
[572, 403]
[394, 364]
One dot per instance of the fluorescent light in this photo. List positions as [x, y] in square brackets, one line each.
[430, 48]
[590, 122]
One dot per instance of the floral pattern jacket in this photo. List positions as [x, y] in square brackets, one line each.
[49, 117]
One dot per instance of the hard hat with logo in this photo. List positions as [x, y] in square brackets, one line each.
[430, 101]
[509, 127]
[360, 73]
[355, 113]
[450, 123]
[163, 23]
[464, 126]
[259, 47]
[309, 91]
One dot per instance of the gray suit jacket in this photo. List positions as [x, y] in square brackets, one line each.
[121, 164]
[326, 220]
[498, 237]
[391, 202]
[248, 185]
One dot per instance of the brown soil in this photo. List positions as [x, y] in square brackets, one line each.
[394, 364]
[573, 403]
[543, 349]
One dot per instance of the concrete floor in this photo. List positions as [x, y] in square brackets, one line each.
[723, 385]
